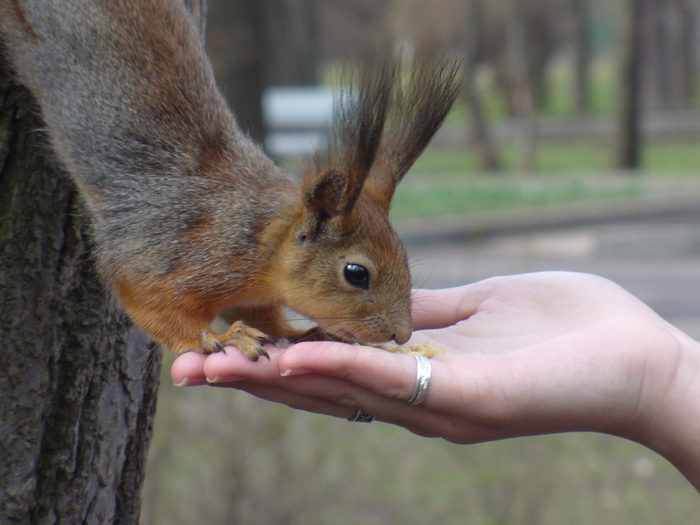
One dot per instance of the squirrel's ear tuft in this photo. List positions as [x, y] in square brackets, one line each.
[382, 123]
[335, 179]
[425, 90]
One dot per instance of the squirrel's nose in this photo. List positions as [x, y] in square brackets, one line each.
[403, 333]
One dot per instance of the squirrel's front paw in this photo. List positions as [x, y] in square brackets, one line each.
[249, 340]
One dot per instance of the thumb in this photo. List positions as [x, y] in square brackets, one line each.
[441, 308]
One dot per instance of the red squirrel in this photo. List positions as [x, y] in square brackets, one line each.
[188, 216]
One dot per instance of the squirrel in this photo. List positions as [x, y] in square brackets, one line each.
[188, 217]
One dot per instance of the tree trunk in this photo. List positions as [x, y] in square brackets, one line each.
[581, 44]
[681, 56]
[521, 75]
[78, 382]
[656, 70]
[627, 147]
[78, 387]
[488, 156]
[238, 40]
[538, 38]
[294, 46]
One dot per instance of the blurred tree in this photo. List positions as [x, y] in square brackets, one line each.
[581, 47]
[668, 70]
[521, 85]
[627, 144]
[540, 21]
[238, 41]
[681, 28]
[656, 68]
[294, 42]
[354, 30]
[486, 149]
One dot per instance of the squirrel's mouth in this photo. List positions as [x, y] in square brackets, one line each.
[341, 335]
[334, 333]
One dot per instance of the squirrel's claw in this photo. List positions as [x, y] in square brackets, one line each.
[209, 342]
[249, 340]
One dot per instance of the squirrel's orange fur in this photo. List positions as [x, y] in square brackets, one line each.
[189, 218]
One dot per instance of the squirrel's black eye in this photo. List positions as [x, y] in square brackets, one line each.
[357, 275]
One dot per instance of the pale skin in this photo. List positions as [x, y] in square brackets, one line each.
[528, 354]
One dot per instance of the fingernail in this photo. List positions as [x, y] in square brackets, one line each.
[294, 372]
[223, 379]
[183, 382]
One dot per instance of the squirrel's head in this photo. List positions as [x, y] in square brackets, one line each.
[349, 274]
[344, 266]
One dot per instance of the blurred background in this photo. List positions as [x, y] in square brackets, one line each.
[575, 146]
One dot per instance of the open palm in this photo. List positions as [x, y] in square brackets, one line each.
[526, 354]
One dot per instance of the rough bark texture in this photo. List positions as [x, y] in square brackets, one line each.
[78, 383]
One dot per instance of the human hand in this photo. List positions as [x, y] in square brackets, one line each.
[528, 354]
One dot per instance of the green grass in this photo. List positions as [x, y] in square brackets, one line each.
[567, 156]
[447, 181]
[450, 196]
[480, 194]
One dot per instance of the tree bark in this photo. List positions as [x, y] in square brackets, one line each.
[627, 146]
[78, 382]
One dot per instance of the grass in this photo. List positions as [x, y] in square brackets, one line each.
[507, 193]
[567, 156]
[447, 181]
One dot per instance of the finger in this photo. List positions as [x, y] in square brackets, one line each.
[311, 393]
[194, 369]
[232, 365]
[291, 398]
[323, 393]
[456, 380]
[384, 373]
[381, 376]
[341, 394]
[188, 369]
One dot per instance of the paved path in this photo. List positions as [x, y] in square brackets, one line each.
[656, 259]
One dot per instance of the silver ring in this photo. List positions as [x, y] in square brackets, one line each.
[361, 417]
[422, 380]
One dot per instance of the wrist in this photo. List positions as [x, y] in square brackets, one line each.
[672, 418]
